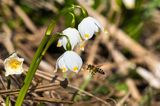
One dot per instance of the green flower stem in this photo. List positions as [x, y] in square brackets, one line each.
[68, 46]
[64, 75]
[73, 19]
[85, 83]
[8, 87]
[83, 10]
[53, 39]
[82, 87]
[8, 101]
[72, 7]
[34, 65]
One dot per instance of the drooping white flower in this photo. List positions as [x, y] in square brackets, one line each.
[69, 61]
[129, 4]
[88, 27]
[73, 35]
[13, 65]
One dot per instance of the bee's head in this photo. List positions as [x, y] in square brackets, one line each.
[89, 67]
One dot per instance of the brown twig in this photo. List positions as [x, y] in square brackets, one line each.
[7, 39]
[133, 89]
[89, 94]
[37, 89]
[121, 102]
[52, 100]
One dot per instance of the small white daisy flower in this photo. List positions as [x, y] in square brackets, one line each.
[13, 65]
[69, 61]
[88, 27]
[73, 35]
[129, 4]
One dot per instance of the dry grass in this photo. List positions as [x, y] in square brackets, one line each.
[120, 86]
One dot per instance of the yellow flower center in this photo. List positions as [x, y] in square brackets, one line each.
[82, 47]
[59, 44]
[86, 36]
[14, 63]
[106, 31]
[64, 69]
[75, 68]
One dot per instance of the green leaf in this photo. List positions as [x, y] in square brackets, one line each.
[121, 87]
[146, 99]
[101, 90]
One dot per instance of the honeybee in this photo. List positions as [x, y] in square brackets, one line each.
[94, 69]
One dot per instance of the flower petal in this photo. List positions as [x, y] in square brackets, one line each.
[72, 60]
[129, 4]
[88, 27]
[59, 43]
[69, 61]
[73, 35]
[60, 64]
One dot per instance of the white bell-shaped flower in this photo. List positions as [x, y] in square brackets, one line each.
[13, 65]
[129, 4]
[88, 27]
[69, 61]
[73, 35]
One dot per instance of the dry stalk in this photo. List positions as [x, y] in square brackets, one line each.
[121, 102]
[133, 89]
[52, 100]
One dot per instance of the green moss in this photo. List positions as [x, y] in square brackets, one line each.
[121, 87]
[101, 90]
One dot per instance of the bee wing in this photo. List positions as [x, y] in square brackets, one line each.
[84, 66]
[99, 65]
